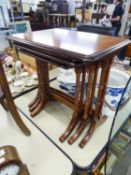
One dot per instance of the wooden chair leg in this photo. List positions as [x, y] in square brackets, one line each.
[10, 102]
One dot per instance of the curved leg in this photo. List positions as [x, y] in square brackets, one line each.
[39, 107]
[69, 129]
[34, 100]
[78, 132]
[35, 104]
[42, 95]
[94, 124]
[10, 102]
[88, 134]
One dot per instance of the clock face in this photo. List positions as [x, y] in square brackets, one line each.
[11, 169]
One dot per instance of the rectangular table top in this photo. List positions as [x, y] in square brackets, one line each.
[69, 46]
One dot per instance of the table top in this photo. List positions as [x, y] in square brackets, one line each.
[69, 46]
[36, 151]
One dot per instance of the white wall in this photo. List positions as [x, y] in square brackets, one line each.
[4, 5]
[125, 17]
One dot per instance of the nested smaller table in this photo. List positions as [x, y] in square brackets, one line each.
[85, 52]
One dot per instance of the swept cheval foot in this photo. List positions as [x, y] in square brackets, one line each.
[34, 105]
[34, 101]
[69, 129]
[91, 130]
[40, 106]
[17, 118]
[78, 132]
[88, 134]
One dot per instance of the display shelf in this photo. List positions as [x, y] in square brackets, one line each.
[53, 121]
[36, 151]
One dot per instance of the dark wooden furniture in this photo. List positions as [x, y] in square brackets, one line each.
[97, 29]
[11, 161]
[2, 101]
[9, 100]
[85, 52]
[97, 17]
[128, 52]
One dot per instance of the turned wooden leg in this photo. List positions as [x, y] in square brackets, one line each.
[93, 125]
[105, 85]
[10, 103]
[42, 95]
[81, 124]
[77, 111]
[84, 121]
[101, 90]
[93, 89]
[102, 86]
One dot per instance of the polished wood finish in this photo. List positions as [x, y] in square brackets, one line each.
[77, 107]
[96, 115]
[10, 103]
[85, 52]
[11, 156]
[66, 47]
[42, 95]
[2, 101]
